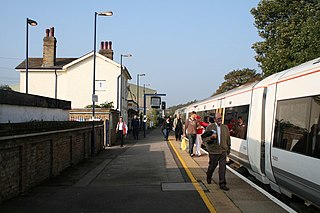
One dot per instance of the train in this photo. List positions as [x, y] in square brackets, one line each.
[281, 147]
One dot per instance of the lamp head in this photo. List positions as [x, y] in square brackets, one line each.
[106, 13]
[126, 55]
[32, 22]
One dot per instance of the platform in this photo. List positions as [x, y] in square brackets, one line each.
[148, 175]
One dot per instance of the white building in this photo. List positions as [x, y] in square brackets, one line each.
[72, 78]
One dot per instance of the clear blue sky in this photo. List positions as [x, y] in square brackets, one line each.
[184, 47]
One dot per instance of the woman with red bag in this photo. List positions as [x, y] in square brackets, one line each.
[121, 130]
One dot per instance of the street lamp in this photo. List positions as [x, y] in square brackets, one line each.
[32, 23]
[94, 97]
[121, 79]
[144, 110]
[138, 98]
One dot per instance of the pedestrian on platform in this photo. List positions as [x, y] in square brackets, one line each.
[166, 127]
[200, 130]
[121, 130]
[178, 127]
[135, 127]
[218, 145]
[191, 131]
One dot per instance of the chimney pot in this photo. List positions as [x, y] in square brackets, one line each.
[105, 45]
[47, 32]
[110, 45]
[52, 31]
[102, 45]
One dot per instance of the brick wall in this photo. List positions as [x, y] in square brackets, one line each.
[27, 160]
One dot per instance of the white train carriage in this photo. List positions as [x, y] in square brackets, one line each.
[282, 143]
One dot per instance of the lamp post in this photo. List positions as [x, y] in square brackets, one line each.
[144, 110]
[32, 23]
[94, 98]
[121, 79]
[138, 98]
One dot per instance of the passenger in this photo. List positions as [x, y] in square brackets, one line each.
[178, 127]
[240, 130]
[135, 127]
[218, 146]
[121, 130]
[210, 121]
[191, 131]
[166, 127]
[200, 130]
[310, 143]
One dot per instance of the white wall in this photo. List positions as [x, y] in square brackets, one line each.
[18, 114]
[75, 84]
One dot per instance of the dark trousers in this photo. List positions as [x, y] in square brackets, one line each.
[192, 140]
[136, 133]
[213, 162]
[166, 133]
[120, 136]
[178, 134]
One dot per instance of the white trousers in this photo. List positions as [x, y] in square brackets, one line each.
[198, 144]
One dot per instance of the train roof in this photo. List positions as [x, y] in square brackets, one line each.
[302, 69]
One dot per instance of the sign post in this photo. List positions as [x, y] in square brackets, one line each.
[156, 102]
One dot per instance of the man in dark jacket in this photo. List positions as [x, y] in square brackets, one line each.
[218, 146]
[135, 127]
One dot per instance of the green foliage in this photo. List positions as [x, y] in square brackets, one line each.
[290, 30]
[106, 105]
[172, 109]
[237, 78]
[5, 87]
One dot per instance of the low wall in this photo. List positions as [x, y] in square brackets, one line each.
[110, 116]
[28, 159]
[18, 107]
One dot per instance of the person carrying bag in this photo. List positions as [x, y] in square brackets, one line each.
[121, 130]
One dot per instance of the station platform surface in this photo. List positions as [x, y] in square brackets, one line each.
[146, 175]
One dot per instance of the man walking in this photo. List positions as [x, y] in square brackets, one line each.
[218, 146]
[135, 127]
[191, 131]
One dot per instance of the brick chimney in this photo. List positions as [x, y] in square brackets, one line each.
[49, 48]
[106, 49]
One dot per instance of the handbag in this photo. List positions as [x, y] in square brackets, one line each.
[184, 144]
[124, 129]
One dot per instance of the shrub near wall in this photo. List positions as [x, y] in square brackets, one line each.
[29, 159]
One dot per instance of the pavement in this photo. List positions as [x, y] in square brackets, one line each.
[146, 175]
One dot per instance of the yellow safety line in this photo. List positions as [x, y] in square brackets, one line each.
[194, 182]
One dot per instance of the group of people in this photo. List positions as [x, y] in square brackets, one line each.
[214, 135]
[176, 125]
[216, 138]
[122, 129]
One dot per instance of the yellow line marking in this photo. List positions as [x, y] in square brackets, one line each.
[194, 182]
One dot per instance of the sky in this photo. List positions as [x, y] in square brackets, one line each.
[185, 47]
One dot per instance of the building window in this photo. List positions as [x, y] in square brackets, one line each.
[236, 118]
[297, 126]
[101, 85]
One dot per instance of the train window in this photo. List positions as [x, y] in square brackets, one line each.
[297, 126]
[205, 115]
[236, 119]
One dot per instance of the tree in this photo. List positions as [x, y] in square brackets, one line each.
[237, 78]
[290, 30]
[106, 105]
[5, 87]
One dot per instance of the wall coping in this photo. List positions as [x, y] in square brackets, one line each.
[45, 133]
[8, 97]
